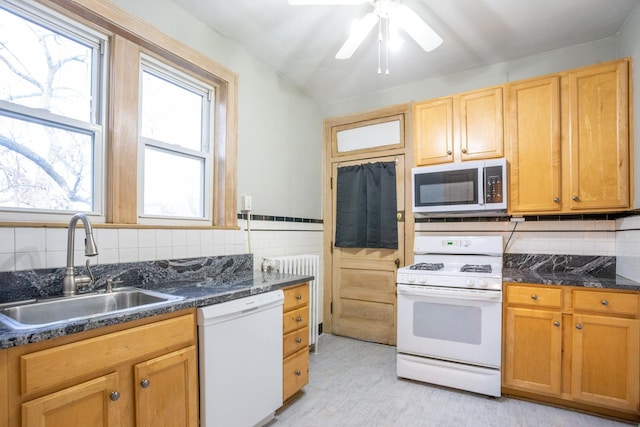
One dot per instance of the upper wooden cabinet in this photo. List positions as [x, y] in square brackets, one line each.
[569, 145]
[468, 126]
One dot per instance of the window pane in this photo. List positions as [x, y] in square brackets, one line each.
[171, 113]
[173, 184]
[43, 167]
[42, 69]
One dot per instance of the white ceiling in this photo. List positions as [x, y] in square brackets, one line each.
[300, 42]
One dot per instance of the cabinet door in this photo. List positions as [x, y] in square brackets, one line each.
[86, 404]
[599, 137]
[533, 350]
[605, 361]
[167, 390]
[433, 130]
[481, 124]
[534, 154]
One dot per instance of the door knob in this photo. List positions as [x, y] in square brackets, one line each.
[575, 198]
[448, 152]
[556, 323]
[397, 262]
[464, 151]
[556, 200]
[578, 326]
[114, 396]
[144, 383]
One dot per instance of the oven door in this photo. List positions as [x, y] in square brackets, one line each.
[461, 325]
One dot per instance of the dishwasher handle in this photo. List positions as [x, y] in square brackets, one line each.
[240, 307]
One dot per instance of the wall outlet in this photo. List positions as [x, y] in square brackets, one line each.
[245, 203]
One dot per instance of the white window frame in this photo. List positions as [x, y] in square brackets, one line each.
[63, 25]
[172, 74]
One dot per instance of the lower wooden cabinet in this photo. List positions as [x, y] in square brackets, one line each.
[295, 346]
[139, 374]
[573, 346]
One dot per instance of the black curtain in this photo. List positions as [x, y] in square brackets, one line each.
[366, 206]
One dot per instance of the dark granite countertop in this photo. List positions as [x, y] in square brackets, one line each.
[568, 279]
[196, 293]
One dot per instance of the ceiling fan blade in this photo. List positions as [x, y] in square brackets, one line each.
[360, 30]
[417, 28]
[325, 2]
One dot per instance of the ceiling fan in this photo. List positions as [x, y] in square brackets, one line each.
[388, 12]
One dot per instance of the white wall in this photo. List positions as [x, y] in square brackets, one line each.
[279, 128]
[531, 66]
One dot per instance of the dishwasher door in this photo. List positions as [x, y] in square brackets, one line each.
[240, 358]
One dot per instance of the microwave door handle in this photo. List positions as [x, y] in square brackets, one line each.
[481, 192]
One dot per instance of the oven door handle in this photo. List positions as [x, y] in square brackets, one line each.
[457, 293]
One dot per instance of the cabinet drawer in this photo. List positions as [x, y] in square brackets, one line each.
[606, 302]
[295, 373]
[295, 319]
[534, 296]
[296, 297]
[295, 341]
[59, 366]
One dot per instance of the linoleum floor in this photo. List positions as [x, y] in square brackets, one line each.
[353, 383]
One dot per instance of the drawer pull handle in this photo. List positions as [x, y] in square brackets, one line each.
[298, 297]
[556, 200]
[144, 383]
[298, 373]
[605, 302]
[114, 396]
[298, 319]
[298, 340]
[556, 323]
[534, 297]
[448, 152]
[578, 326]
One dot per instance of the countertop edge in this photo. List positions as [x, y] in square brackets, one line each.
[207, 294]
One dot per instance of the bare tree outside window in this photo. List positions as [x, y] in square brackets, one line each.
[47, 117]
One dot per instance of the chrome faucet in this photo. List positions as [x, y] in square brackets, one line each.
[71, 281]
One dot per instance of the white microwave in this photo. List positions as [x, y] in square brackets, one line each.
[460, 189]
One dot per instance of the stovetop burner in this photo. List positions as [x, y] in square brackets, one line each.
[476, 268]
[427, 266]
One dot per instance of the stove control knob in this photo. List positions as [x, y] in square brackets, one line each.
[411, 279]
[482, 283]
[422, 280]
[469, 283]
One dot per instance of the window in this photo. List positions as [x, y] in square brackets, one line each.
[176, 161]
[51, 115]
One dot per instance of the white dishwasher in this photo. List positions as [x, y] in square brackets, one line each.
[240, 351]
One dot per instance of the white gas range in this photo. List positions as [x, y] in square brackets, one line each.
[450, 313]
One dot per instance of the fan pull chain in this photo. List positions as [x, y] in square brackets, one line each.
[379, 44]
[386, 45]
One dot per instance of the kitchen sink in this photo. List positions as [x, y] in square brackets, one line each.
[37, 313]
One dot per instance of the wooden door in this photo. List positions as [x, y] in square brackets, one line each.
[534, 154]
[481, 124]
[605, 361]
[167, 390]
[86, 404]
[433, 130]
[533, 350]
[599, 137]
[364, 279]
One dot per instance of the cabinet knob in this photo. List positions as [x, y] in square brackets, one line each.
[298, 319]
[114, 396]
[556, 200]
[298, 297]
[605, 302]
[575, 198]
[448, 152]
[144, 383]
[556, 323]
[578, 326]
[534, 297]
[464, 151]
[298, 373]
[298, 340]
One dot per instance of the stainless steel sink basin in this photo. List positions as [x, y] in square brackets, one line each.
[37, 313]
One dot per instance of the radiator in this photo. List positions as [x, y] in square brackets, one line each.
[308, 265]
